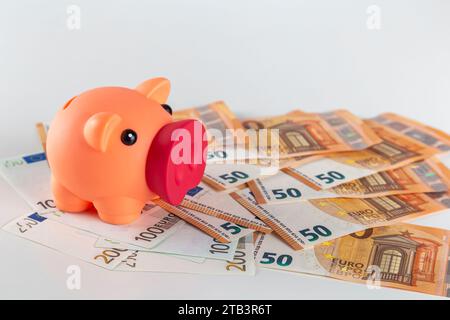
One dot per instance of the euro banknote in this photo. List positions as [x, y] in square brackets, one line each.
[218, 204]
[312, 222]
[220, 122]
[397, 149]
[401, 256]
[63, 238]
[221, 230]
[307, 134]
[80, 244]
[242, 262]
[187, 241]
[428, 175]
[107, 243]
[228, 176]
[432, 137]
[29, 175]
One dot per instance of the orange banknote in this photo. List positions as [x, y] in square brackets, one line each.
[308, 223]
[219, 229]
[396, 149]
[220, 205]
[402, 256]
[217, 118]
[428, 175]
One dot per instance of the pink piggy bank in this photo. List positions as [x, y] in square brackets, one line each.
[117, 148]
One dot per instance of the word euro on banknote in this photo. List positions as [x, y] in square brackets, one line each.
[309, 223]
[402, 256]
[429, 175]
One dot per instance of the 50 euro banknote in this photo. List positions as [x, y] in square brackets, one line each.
[206, 200]
[402, 256]
[80, 244]
[308, 223]
[428, 175]
[303, 134]
[220, 122]
[398, 148]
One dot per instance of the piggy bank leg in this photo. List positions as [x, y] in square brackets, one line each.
[66, 200]
[119, 210]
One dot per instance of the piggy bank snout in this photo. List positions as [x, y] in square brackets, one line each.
[176, 159]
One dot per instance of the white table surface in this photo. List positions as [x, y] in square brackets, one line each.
[261, 57]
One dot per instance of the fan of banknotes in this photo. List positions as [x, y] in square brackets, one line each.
[335, 204]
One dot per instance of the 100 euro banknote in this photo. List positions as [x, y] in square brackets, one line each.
[220, 122]
[30, 175]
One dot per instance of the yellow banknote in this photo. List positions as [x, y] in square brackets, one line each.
[306, 134]
[428, 175]
[402, 256]
[308, 223]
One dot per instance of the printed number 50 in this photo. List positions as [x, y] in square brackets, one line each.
[270, 257]
[330, 176]
[315, 233]
[234, 176]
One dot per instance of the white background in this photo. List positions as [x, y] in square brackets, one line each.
[261, 57]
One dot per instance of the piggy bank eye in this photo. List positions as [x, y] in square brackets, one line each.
[167, 108]
[128, 137]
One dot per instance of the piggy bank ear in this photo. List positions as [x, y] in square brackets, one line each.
[98, 128]
[157, 89]
[176, 161]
